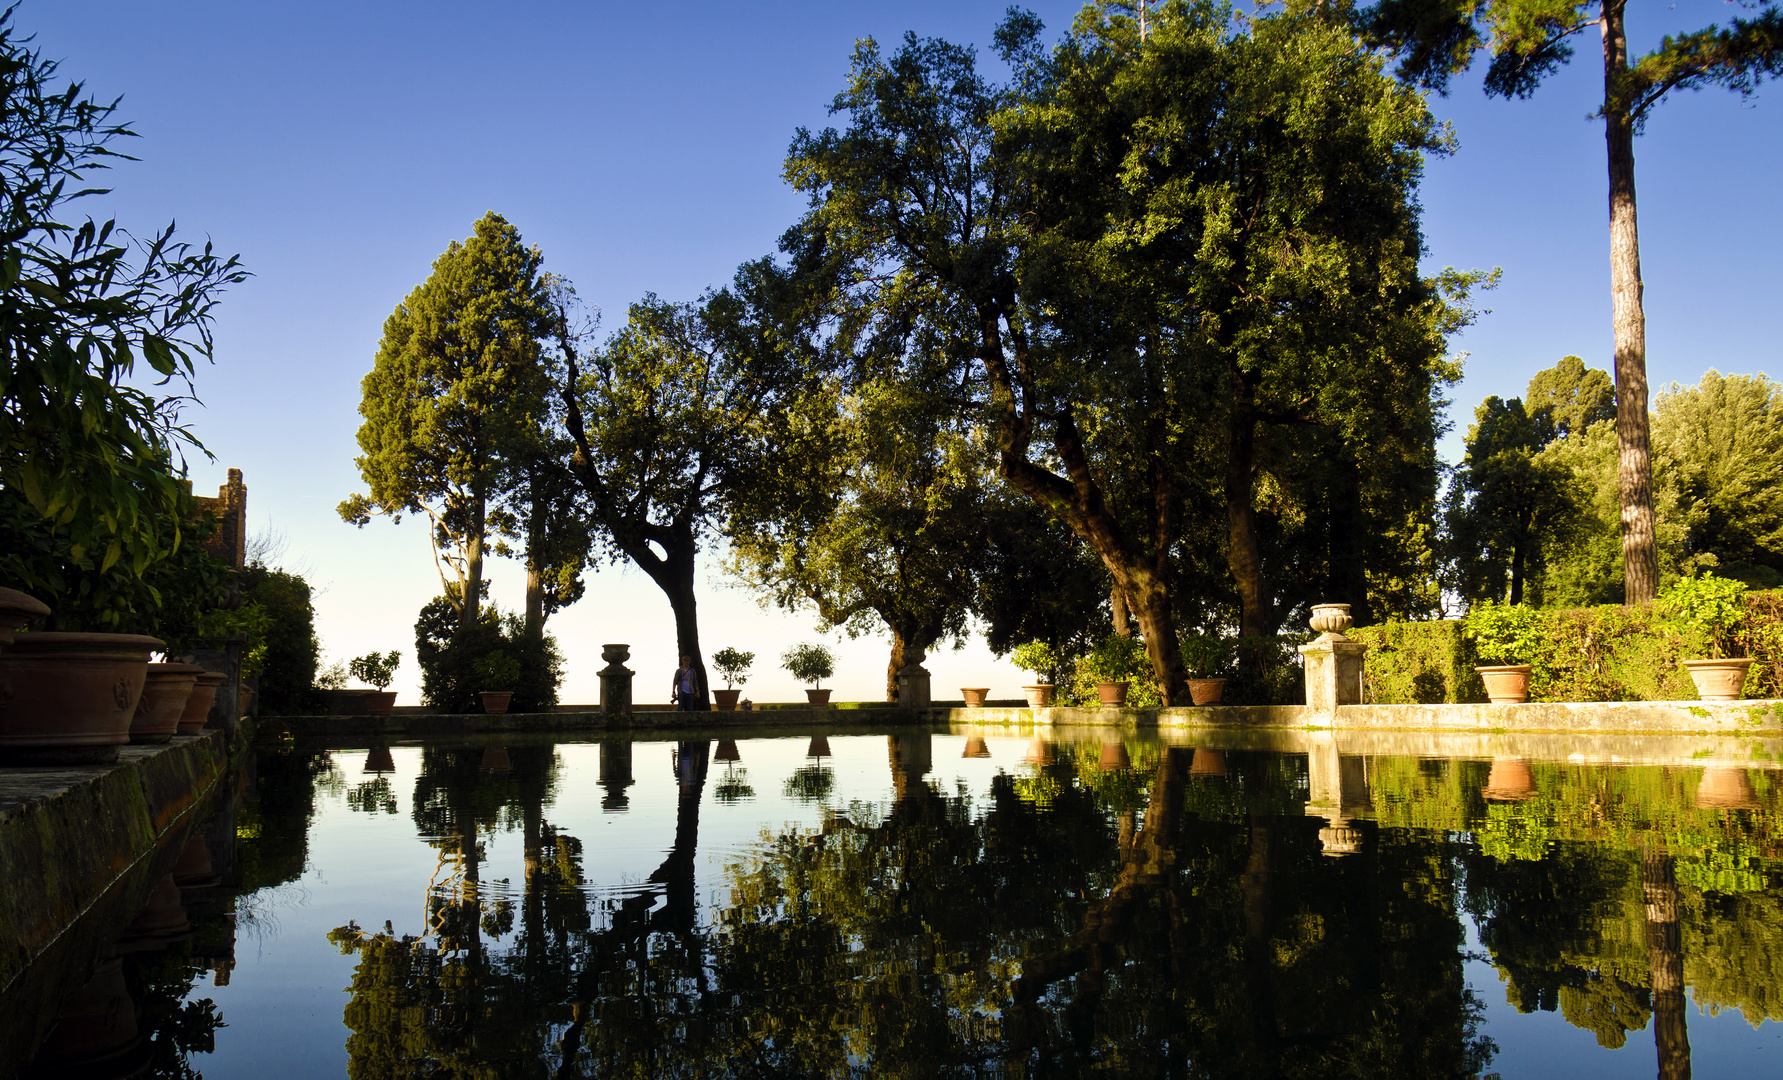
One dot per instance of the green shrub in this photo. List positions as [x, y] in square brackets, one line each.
[1037, 657]
[1423, 663]
[1713, 607]
[451, 659]
[732, 666]
[809, 662]
[1117, 659]
[1503, 633]
[1207, 656]
[376, 669]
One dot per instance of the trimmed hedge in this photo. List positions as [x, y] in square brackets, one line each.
[1609, 653]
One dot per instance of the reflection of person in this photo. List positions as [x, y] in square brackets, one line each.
[687, 685]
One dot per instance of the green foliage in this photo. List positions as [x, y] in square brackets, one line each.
[497, 671]
[1037, 657]
[1568, 398]
[1426, 663]
[1506, 505]
[1719, 445]
[1712, 606]
[1503, 633]
[1208, 656]
[332, 677]
[92, 496]
[732, 665]
[376, 669]
[1116, 659]
[451, 656]
[809, 662]
[287, 648]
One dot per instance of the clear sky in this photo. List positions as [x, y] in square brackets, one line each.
[339, 147]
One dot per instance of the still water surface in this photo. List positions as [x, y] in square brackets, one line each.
[923, 904]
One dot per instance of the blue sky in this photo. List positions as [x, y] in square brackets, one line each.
[338, 147]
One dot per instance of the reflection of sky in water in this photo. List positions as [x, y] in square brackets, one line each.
[284, 1003]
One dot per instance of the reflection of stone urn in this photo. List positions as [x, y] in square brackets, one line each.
[95, 1032]
[1114, 757]
[1341, 838]
[1208, 763]
[727, 751]
[1509, 781]
[1726, 787]
[819, 748]
[1040, 752]
[378, 760]
[495, 760]
[1330, 620]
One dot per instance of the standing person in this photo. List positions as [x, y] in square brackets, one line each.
[687, 685]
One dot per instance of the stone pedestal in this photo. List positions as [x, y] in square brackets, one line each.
[1333, 674]
[616, 681]
[913, 683]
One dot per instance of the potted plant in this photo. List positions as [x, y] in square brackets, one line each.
[975, 696]
[733, 667]
[498, 672]
[811, 663]
[1112, 665]
[377, 669]
[1209, 660]
[1039, 658]
[1713, 607]
[1505, 638]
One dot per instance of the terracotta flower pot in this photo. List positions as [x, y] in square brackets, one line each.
[496, 701]
[163, 702]
[817, 697]
[975, 695]
[1039, 695]
[726, 700]
[975, 748]
[1506, 684]
[16, 610]
[1206, 691]
[1718, 680]
[70, 698]
[204, 694]
[1113, 694]
[382, 701]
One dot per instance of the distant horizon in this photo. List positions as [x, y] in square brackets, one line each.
[339, 148]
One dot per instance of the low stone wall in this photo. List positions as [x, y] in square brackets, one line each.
[80, 846]
[1725, 717]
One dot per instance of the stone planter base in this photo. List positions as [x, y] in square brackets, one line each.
[1506, 684]
[1718, 680]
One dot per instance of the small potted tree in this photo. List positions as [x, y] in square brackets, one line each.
[1505, 639]
[1039, 658]
[1209, 660]
[811, 663]
[497, 672]
[1113, 665]
[377, 669]
[1713, 607]
[733, 667]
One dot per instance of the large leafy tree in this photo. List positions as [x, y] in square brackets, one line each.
[456, 398]
[1529, 40]
[1507, 501]
[1720, 443]
[90, 457]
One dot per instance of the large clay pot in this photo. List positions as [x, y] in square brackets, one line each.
[1506, 684]
[975, 695]
[1114, 756]
[496, 701]
[382, 701]
[204, 695]
[726, 700]
[1725, 787]
[1039, 695]
[1206, 691]
[817, 697]
[16, 610]
[163, 702]
[1509, 781]
[1718, 680]
[975, 748]
[1113, 694]
[69, 698]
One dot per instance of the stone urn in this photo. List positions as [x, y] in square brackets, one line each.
[164, 694]
[1506, 684]
[1039, 695]
[975, 748]
[1719, 680]
[1114, 757]
[70, 698]
[495, 702]
[1206, 691]
[1330, 620]
[817, 697]
[1112, 694]
[17, 610]
[204, 694]
[725, 700]
[975, 695]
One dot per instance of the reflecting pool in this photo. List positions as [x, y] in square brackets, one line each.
[920, 903]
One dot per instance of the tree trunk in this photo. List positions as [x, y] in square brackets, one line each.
[1634, 465]
[1665, 964]
[902, 650]
[677, 582]
[1243, 556]
[473, 563]
[1118, 608]
[535, 571]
